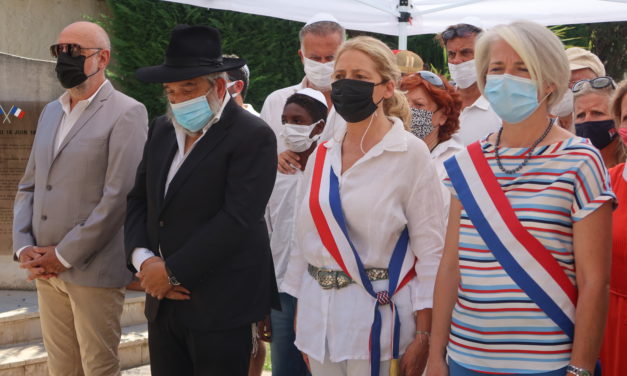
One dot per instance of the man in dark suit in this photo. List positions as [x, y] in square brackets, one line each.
[194, 230]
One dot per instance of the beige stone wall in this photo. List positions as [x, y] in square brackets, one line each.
[29, 27]
[28, 84]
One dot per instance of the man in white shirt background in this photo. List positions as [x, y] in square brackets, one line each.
[477, 118]
[320, 38]
[237, 86]
[304, 120]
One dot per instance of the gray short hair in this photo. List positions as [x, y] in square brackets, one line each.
[212, 77]
[322, 28]
[540, 50]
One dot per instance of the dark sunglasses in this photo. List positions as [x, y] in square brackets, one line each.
[595, 83]
[431, 78]
[462, 32]
[71, 49]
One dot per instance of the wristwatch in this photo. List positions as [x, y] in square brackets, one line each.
[577, 371]
[171, 278]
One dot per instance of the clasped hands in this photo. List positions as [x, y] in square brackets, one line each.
[41, 262]
[154, 279]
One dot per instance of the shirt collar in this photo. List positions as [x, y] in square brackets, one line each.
[481, 103]
[394, 140]
[65, 98]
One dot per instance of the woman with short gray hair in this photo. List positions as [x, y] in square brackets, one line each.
[529, 226]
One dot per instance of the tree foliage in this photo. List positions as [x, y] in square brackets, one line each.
[140, 31]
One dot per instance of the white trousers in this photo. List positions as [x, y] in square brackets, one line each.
[351, 367]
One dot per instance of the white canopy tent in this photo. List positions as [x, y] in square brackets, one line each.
[412, 17]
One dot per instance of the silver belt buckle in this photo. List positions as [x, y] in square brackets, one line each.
[326, 278]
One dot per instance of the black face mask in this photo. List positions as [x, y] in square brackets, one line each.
[71, 70]
[601, 133]
[352, 99]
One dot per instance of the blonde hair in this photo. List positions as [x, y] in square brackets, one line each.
[540, 50]
[385, 64]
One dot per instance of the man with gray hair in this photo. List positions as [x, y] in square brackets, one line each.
[70, 205]
[194, 229]
[320, 39]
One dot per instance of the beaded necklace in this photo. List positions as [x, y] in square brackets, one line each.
[527, 157]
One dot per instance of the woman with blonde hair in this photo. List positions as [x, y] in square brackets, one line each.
[369, 229]
[522, 286]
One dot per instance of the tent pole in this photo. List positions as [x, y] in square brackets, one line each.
[404, 9]
[402, 35]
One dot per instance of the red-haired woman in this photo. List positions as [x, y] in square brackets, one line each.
[435, 108]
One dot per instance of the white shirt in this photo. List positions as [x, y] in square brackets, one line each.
[273, 109]
[249, 107]
[279, 217]
[477, 121]
[392, 186]
[439, 154]
[142, 254]
[70, 117]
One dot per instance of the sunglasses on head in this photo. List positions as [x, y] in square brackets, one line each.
[462, 32]
[431, 78]
[71, 49]
[595, 83]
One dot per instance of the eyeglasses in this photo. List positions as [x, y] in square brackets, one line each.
[595, 83]
[71, 49]
[461, 31]
[431, 78]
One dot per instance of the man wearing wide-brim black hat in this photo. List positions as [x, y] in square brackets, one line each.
[194, 227]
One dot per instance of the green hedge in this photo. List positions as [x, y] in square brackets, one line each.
[140, 31]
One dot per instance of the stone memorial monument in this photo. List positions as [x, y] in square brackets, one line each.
[26, 86]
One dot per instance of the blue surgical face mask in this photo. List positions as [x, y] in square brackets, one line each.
[513, 98]
[193, 114]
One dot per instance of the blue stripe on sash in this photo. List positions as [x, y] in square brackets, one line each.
[515, 271]
[394, 270]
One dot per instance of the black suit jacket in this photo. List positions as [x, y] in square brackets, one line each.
[209, 226]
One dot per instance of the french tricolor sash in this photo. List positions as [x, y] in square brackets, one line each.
[520, 254]
[326, 210]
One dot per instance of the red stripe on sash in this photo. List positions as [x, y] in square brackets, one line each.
[408, 277]
[533, 246]
[316, 211]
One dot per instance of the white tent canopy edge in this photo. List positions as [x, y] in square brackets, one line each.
[427, 16]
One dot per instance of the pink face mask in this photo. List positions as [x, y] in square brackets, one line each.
[623, 134]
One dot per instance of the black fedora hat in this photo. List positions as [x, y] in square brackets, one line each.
[193, 51]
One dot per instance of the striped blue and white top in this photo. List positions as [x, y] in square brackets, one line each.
[496, 328]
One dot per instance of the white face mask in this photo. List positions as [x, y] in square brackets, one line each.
[230, 85]
[565, 106]
[319, 74]
[464, 74]
[296, 136]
